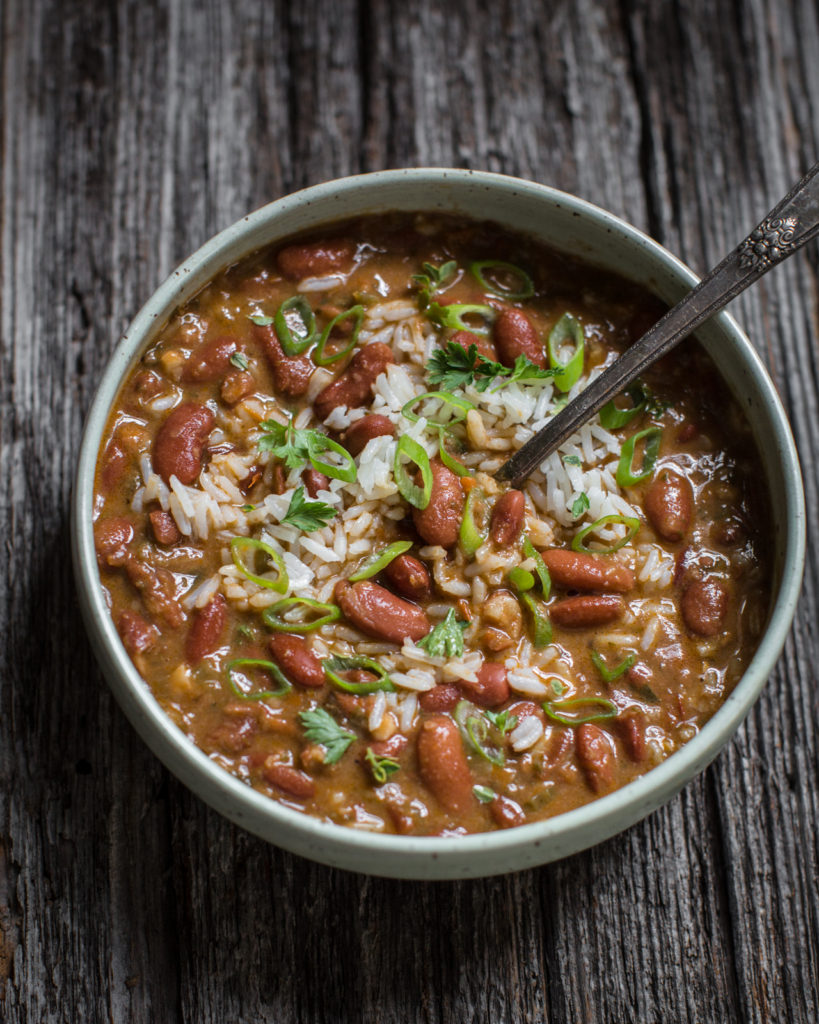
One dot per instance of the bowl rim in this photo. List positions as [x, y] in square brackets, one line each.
[338, 844]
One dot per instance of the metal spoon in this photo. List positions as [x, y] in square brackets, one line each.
[790, 224]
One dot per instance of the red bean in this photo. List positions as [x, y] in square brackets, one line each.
[559, 746]
[410, 577]
[354, 386]
[112, 537]
[315, 481]
[574, 570]
[290, 780]
[443, 697]
[669, 503]
[443, 765]
[164, 526]
[291, 374]
[310, 259]
[484, 346]
[392, 747]
[238, 384]
[515, 336]
[507, 518]
[440, 521]
[113, 464]
[631, 727]
[703, 606]
[138, 635]
[491, 688]
[206, 629]
[364, 430]
[158, 590]
[587, 611]
[596, 756]
[180, 442]
[296, 660]
[380, 614]
[506, 813]
[209, 362]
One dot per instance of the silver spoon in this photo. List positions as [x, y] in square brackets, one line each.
[790, 224]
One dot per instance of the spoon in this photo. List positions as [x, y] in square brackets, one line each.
[790, 224]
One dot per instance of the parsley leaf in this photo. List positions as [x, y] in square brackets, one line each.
[580, 505]
[484, 794]
[307, 515]
[447, 639]
[502, 720]
[453, 367]
[261, 320]
[381, 767]
[239, 360]
[320, 727]
[525, 371]
[433, 278]
[572, 460]
[289, 445]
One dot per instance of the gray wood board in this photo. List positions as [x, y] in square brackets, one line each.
[131, 132]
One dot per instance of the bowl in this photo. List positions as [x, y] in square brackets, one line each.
[565, 223]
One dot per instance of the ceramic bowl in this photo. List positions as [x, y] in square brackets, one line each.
[565, 223]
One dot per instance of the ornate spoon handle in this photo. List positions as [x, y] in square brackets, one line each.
[790, 224]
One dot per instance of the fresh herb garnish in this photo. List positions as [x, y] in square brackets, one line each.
[261, 320]
[307, 515]
[432, 279]
[296, 447]
[580, 504]
[502, 720]
[610, 674]
[248, 508]
[381, 767]
[446, 639]
[558, 686]
[484, 794]
[320, 727]
[453, 367]
[239, 360]
[572, 460]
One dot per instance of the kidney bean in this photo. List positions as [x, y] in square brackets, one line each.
[158, 590]
[137, 634]
[596, 756]
[380, 614]
[238, 384]
[688, 432]
[290, 780]
[525, 709]
[291, 374]
[491, 688]
[484, 346]
[440, 522]
[507, 518]
[443, 697]
[443, 765]
[506, 813]
[403, 823]
[111, 539]
[114, 464]
[148, 385]
[354, 386]
[668, 503]
[515, 336]
[364, 430]
[311, 259]
[410, 577]
[586, 611]
[315, 481]
[703, 606]
[296, 660]
[354, 707]
[206, 629]
[209, 362]
[391, 747]
[631, 728]
[574, 570]
[180, 441]
[559, 746]
[164, 526]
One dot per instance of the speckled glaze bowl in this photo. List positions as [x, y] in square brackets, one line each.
[565, 223]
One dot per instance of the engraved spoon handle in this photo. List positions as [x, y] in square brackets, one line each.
[790, 224]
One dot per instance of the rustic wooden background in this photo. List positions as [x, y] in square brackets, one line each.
[133, 131]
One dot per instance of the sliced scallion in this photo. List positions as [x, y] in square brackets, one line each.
[472, 534]
[314, 615]
[319, 357]
[474, 730]
[409, 449]
[453, 317]
[242, 546]
[541, 624]
[567, 329]
[333, 666]
[321, 443]
[540, 567]
[451, 463]
[381, 767]
[292, 312]
[373, 564]
[612, 418]
[461, 405]
[632, 526]
[521, 579]
[555, 708]
[234, 667]
[610, 674]
[626, 477]
[495, 283]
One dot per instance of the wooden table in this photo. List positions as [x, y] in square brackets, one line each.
[131, 133]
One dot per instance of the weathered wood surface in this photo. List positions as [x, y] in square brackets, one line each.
[131, 132]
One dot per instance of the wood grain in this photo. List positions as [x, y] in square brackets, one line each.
[133, 131]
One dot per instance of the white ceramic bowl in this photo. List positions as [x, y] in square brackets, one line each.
[566, 223]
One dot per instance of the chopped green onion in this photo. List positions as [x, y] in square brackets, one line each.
[553, 708]
[474, 729]
[460, 404]
[521, 579]
[292, 310]
[540, 567]
[484, 794]
[346, 471]
[381, 767]
[273, 616]
[260, 319]
[241, 545]
[284, 683]
[336, 664]
[451, 463]
[568, 328]
[417, 496]
[495, 287]
[632, 526]
[379, 560]
[471, 536]
[319, 358]
[580, 505]
[452, 317]
[612, 418]
[541, 625]
[610, 674]
[572, 460]
[626, 477]
[239, 360]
